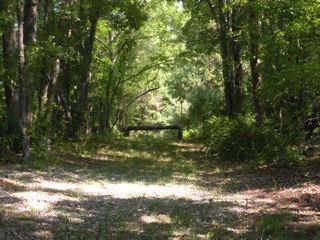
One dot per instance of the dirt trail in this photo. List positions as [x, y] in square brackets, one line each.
[157, 190]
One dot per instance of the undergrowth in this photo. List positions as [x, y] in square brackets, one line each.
[242, 139]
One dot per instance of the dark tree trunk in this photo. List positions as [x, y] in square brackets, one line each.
[237, 63]
[22, 85]
[254, 60]
[50, 91]
[85, 75]
[29, 36]
[226, 61]
[230, 53]
[231, 58]
[11, 90]
[45, 75]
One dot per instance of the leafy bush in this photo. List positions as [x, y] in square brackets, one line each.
[242, 139]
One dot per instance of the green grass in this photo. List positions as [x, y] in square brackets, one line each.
[135, 160]
[275, 226]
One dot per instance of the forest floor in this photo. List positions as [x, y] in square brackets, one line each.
[155, 188]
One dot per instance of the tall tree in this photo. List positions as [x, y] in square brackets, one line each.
[22, 84]
[88, 13]
[10, 83]
[222, 17]
[254, 31]
[226, 16]
[30, 27]
[290, 63]
[117, 40]
[49, 71]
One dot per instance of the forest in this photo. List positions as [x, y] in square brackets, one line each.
[239, 80]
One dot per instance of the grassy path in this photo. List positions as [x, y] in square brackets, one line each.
[146, 188]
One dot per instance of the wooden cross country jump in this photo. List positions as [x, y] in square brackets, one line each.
[152, 128]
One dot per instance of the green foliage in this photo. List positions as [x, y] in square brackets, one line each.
[173, 47]
[242, 139]
[203, 105]
[7, 9]
[42, 159]
[290, 61]
[286, 87]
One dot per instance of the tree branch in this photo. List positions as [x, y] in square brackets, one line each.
[132, 101]
[143, 70]
[142, 94]
[211, 6]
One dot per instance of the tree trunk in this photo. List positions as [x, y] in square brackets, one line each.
[50, 93]
[22, 85]
[106, 116]
[108, 106]
[226, 61]
[85, 75]
[29, 37]
[11, 90]
[254, 60]
[237, 63]
[232, 68]
[45, 75]
[230, 53]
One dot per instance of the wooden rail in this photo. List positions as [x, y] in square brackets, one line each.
[153, 128]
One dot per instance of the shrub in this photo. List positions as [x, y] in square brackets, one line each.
[242, 139]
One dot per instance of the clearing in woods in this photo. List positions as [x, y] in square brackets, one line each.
[149, 188]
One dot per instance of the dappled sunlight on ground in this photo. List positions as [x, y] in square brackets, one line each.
[167, 193]
[161, 218]
[126, 190]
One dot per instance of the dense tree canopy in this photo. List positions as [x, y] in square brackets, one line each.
[76, 67]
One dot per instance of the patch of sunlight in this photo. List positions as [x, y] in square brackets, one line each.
[39, 201]
[130, 190]
[184, 178]
[180, 234]
[74, 219]
[113, 155]
[101, 157]
[140, 154]
[134, 190]
[59, 186]
[164, 159]
[161, 218]
[90, 189]
[42, 234]
[74, 187]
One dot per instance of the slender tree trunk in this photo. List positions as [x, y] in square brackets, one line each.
[51, 91]
[11, 90]
[45, 75]
[29, 36]
[85, 77]
[22, 85]
[232, 70]
[64, 100]
[64, 94]
[254, 60]
[109, 104]
[227, 68]
[230, 53]
[237, 63]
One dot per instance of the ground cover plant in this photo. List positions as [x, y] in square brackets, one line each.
[144, 187]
